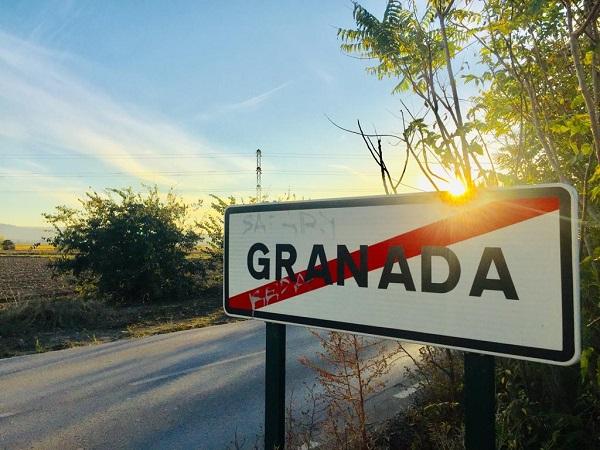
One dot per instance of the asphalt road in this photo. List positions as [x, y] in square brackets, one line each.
[188, 390]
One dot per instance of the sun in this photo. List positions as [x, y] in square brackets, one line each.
[456, 188]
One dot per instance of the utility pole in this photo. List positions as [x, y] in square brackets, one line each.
[258, 176]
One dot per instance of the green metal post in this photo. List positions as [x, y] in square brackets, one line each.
[480, 402]
[275, 387]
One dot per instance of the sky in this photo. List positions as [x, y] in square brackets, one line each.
[180, 94]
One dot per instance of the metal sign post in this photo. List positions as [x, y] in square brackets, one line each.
[275, 387]
[480, 402]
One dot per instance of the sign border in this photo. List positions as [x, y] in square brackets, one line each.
[569, 256]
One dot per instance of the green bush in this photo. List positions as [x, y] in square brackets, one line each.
[127, 247]
[212, 226]
[545, 407]
[7, 244]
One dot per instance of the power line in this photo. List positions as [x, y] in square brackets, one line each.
[283, 156]
[182, 156]
[180, 174]
[214, 191]
[205, 191]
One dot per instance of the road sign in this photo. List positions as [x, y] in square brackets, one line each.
[497, 273]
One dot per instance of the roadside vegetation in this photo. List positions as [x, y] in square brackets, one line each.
[126, 247]
[125, 264]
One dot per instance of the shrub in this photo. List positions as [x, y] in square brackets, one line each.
[125, 246]
[434, 419]
[212, 227]
[349, 370]
[7, 244]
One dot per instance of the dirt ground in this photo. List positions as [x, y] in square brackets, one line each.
[25, 277]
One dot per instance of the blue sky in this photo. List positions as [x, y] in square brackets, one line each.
[181, 94]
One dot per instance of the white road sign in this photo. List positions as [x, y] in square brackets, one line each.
[497, 273]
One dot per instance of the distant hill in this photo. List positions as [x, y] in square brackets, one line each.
[24, 235]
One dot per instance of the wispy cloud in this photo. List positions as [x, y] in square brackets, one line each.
[252, 102]
[54, 18]
[247, 104]
[323, 75]
[45, 105]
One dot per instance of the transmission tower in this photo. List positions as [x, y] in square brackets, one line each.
[258, 176]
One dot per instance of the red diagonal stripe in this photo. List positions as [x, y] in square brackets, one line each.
[465, 225]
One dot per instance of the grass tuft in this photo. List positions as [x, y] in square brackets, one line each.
[50, 314]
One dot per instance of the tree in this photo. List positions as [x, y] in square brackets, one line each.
[419, 47]
[582, 23]
[212, 227]
[126, 246]
[538, 107]
[542, 108]
[7, 244]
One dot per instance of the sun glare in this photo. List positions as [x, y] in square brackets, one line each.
[456, 188]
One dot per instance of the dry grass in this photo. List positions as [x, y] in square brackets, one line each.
[215, 317]
[39, 312]
[39, 249]
[53, 324]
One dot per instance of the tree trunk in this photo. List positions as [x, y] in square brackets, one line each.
[585, 91]
[460, 128]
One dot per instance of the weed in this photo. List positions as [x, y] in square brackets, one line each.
[39, 347]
